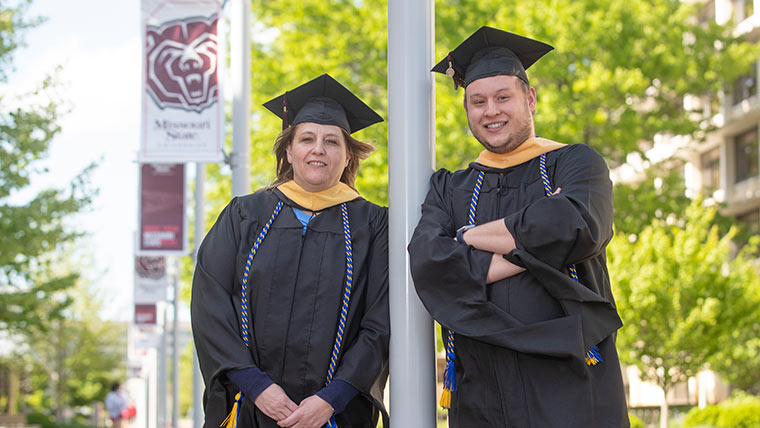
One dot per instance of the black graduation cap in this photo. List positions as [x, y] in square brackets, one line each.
[491, 52]
[325, 101]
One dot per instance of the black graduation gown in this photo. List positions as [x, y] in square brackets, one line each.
[295, 288]
[520, 342]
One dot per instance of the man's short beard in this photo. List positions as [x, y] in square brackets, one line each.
[513, 141]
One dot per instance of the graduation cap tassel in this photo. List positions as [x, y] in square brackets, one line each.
[593, 356]
[231, 420]
[452, 73]
[285, 111]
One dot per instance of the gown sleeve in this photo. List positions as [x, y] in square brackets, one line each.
[252, 381]
[214, 316]
[364, 364]
[574, 225]
[337, 394]
[450, 280]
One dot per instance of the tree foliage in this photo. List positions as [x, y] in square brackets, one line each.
[618, 75]
[738, 356]
[73, 362]
[70, 363]
[346, 39]
[60, 351]
[13, 24]
[33, 224]
[661, 195]
[684, 300]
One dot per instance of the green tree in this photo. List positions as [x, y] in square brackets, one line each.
[32, 226]
[35, 229]
[618, 76]
[75, 361]
[682, 297]
[344, 38]
[660, 194]
[738, 356]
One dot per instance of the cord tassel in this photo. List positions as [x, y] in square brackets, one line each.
[449, 381]
[231, 420]
[342, 319]
[593, 357]
[449, 373]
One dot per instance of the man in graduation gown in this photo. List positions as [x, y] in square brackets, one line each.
[509, 256]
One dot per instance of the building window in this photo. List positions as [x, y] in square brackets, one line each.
[746, 85]
[747, 161]
[710, 165]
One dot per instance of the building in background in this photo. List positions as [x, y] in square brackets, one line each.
[724, 167]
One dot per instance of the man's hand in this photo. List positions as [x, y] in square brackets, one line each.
[274, 403]
[501, 268]
[313, 412]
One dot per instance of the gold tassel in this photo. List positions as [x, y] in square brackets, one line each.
[231, 420]
[445, 399]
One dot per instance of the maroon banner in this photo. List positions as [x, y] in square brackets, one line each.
[183, 69]
[162, 209]
[151, 280]
[145, 314]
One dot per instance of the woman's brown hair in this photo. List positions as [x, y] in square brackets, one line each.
[357, 152]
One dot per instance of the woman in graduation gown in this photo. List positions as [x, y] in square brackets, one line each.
[290, 293]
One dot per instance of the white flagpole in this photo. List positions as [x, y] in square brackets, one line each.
[411, 151]
[240, 64]
[200, 179]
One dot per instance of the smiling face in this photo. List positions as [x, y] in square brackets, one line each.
[500, 112]
[318, 155]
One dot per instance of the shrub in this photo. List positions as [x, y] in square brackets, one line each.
[41, 419]
[741, 411]
[48, 421]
